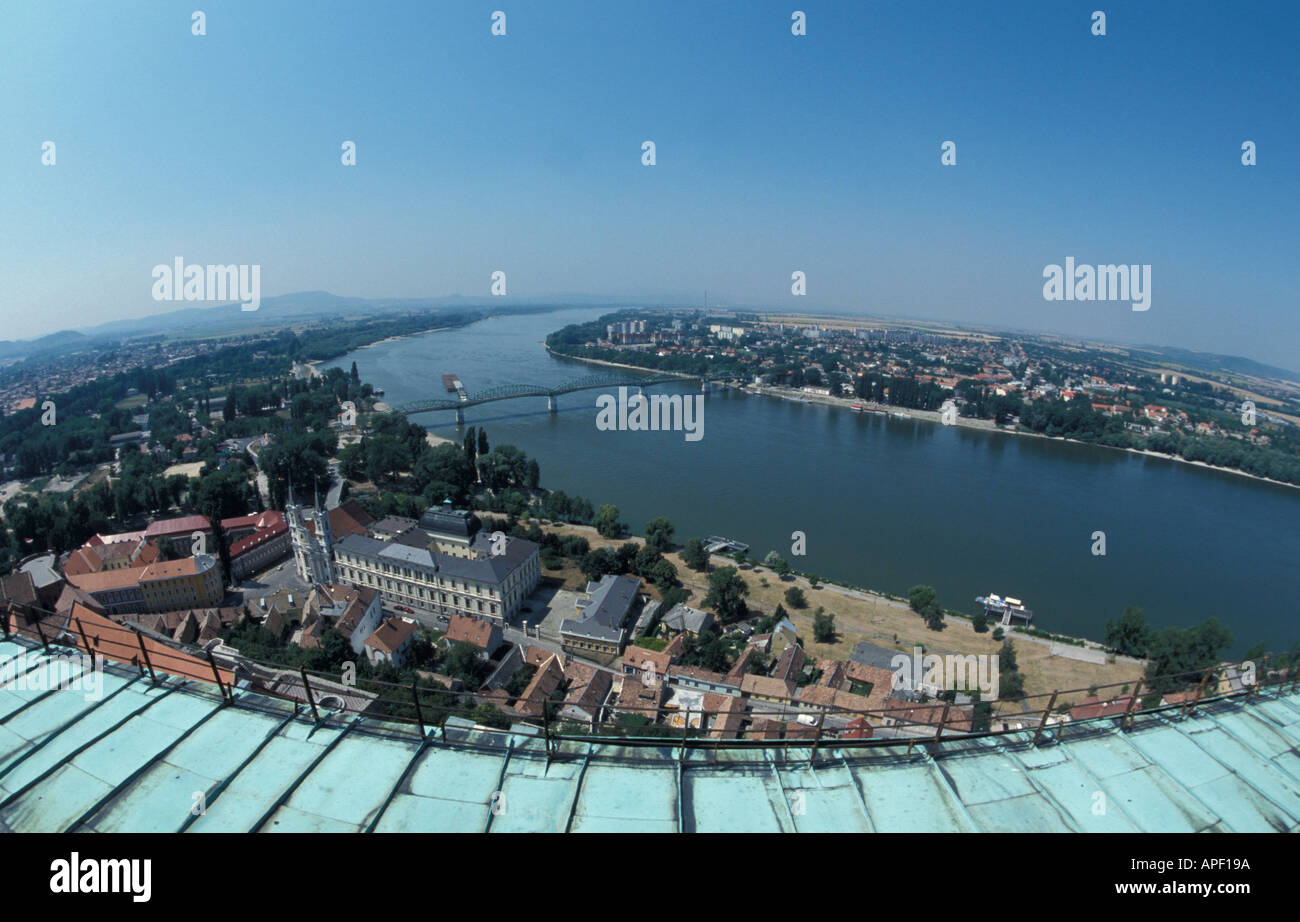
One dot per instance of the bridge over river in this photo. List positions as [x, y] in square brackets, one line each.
[513, 391]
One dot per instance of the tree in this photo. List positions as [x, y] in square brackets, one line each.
[598, 563]
[356, 376]
[1011, 684]
[925, 602]
[795, 598]
[663, 574]
[659, 533]
[920, 598]
[980, 622]
[694, 555]
[726, 594]
[1131, 636]
[471, 447]
[625, 556]
[823, 627]
[607, 523]
[1178, 657]
[223, 549]
[352, 461]
[463, 662]
[646, 559]
[708, 652]
[442, 472]
[483, 448]
[672, 596]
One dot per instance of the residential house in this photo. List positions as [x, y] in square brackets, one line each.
[390, 642]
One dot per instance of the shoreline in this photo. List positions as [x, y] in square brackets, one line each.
[393, 339]
[932, 416]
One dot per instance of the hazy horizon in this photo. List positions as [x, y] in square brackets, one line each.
[774, 153]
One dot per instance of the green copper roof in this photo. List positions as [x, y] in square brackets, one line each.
[146, 758]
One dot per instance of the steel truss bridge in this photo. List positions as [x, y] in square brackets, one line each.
[513, 391]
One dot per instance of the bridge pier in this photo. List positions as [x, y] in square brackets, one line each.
[460, 417]
[551, 406]
[704, 385]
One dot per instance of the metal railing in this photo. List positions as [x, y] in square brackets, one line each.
[427, 709]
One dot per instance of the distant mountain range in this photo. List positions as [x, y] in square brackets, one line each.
[315, 306]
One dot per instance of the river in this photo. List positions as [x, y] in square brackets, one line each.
[888, 503]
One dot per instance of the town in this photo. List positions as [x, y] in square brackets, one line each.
[301, 540]
[1028, 384]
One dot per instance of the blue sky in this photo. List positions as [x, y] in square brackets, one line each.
[775, 153]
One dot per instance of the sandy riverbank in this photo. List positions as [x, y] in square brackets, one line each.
[393, 339]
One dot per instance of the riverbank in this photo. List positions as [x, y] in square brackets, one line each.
[393, 339]
[863, 615]
[931, 416]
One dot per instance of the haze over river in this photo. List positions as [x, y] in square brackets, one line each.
[889, 503]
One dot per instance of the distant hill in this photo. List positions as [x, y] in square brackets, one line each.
[63, 341]
[1224, 364]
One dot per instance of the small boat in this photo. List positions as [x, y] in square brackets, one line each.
[901, 415]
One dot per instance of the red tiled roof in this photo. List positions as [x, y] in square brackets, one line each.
[391, 635]
[469, 630]
[106, 580]
[257, 539]
[122, 645]
[183, 525]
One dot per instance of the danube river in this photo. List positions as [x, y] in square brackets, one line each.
[889, 503]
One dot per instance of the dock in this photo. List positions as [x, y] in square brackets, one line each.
[717, 545]
[1006, 609]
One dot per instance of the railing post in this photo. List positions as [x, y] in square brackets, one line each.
[311, 699]
[546, 730]
[419, 712]
[1191, 705]
[1127, 720]
[9, 610]
[144, 652]
[943, 719]
[1047, 711]
[821, 720]
[86, 642]
[216, 674]
[45, 641]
